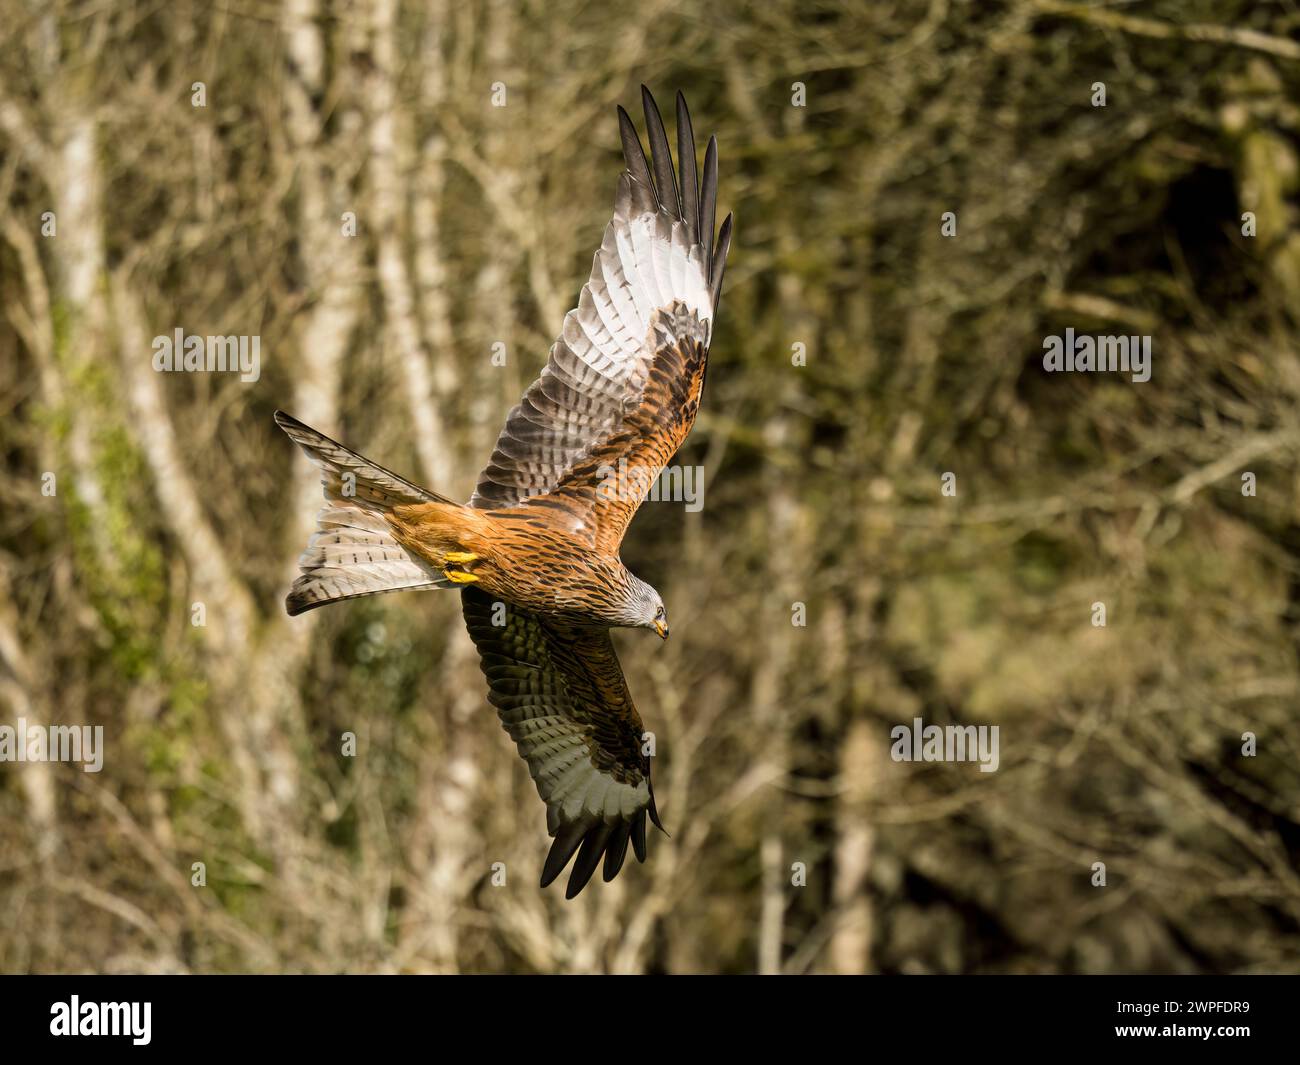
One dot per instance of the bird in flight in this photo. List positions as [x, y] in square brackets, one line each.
[535, 551]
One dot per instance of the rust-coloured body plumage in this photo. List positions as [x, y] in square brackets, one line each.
[535, 551]
[557, 552]
[523, 555]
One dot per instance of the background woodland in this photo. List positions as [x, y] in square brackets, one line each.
[475, 226]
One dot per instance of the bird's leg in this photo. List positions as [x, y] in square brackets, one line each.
[459, 558]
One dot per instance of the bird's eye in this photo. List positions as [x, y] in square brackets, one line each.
[659, 613]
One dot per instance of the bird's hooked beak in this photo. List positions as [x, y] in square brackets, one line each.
[661, 627]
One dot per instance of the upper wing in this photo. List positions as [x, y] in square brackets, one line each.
[561, 696]
[654, 288]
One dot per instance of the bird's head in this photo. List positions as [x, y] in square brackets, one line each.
[647, 608]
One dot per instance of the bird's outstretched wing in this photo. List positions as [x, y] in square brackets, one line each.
[561, 696]
[621, 387]
[617, 396]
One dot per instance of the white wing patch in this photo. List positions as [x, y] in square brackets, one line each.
[646, 263]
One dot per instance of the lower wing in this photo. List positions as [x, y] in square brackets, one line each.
[561, 695]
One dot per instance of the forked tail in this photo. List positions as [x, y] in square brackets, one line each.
[353, 551]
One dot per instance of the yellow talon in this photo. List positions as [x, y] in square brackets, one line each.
[459, 576]
[460, 557]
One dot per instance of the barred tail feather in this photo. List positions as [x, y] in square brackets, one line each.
[353, 551]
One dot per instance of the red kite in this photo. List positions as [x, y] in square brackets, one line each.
[535, 552]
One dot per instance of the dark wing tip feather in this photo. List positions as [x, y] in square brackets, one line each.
[638, 836]
[633, 153]
[693, 199]
[295, 603]
[660, 156]
[616, 850]
[301, 432]
[709, 200]
[566, 842]
[592, 839]
[690, 179]
[589, 855]
[654, 814]
[719, 265]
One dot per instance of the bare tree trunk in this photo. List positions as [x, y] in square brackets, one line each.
[850, 944]
[391, 220]
[771, 671]
[19, 689]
